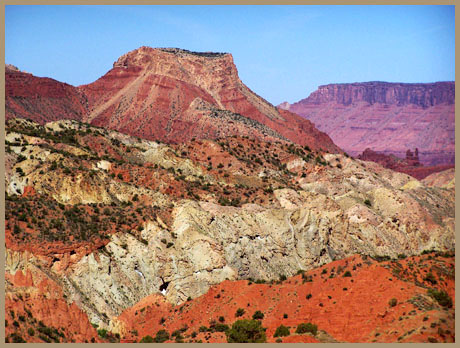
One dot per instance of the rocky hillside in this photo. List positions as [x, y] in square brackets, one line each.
[386, 117]
[357, 299]
[98, 222]
[171, 95]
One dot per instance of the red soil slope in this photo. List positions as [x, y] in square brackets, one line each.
[345, 309]
[41, 99]
[37, 308]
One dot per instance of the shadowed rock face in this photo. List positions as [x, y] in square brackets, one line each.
[386, 117]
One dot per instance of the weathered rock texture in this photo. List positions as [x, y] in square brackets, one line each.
[352, 308]
[113, 220]
[386, 117]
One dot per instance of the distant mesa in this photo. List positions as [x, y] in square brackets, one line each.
[387, 117]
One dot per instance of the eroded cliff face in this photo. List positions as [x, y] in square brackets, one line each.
[166, 224]
[419, 94]
[175, 95]
[386, 117]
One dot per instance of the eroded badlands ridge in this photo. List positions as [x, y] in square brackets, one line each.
[112, 219]
[386, 117]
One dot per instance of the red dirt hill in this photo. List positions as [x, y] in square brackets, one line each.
[349, 300]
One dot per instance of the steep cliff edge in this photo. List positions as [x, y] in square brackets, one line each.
[386, 117]
[174, 95]
[419, 94]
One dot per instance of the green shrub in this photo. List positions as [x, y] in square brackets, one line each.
[219, 327]
[281, 331]
[307, 327]
[31, 331]
[102, 333]
[17, 338]
[203, 328]
[258, 315]
[239, 312]
[367, 202]
[147, 339]
[246, 331]
[393, 302]
[161, 336]
[441, 296]
[347, 274]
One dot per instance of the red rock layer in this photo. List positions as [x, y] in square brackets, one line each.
[37, 303]
[386, 117]
[171, 94]
[41, 99]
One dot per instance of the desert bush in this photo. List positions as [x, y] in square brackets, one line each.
[239, 312]
[441, 296]
[258, 315]
[281, 331]
[307, 327]
[161, 336]
[147, 339]
[246, 331]
[393, 302]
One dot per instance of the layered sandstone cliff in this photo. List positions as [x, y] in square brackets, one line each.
[386, 117]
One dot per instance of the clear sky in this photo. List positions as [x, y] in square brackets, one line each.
[282, 53]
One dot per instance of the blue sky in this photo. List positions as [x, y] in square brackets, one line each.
[281, 52]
